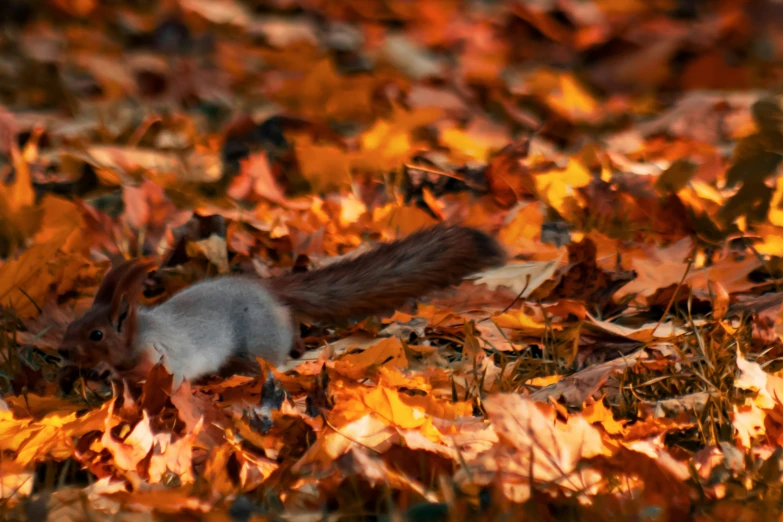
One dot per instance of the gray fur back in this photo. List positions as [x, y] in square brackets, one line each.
[203, 325]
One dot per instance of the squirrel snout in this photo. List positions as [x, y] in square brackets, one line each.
[71, 354]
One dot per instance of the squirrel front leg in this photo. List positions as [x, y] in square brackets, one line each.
[137, 371]
[298, 347]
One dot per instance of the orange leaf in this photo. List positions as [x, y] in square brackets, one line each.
[130, 452]
[325, 166]
[175, 457]
[386, 353]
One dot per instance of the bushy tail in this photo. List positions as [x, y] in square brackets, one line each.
[389, 275]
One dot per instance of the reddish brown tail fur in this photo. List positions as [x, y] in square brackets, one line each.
[389, 275]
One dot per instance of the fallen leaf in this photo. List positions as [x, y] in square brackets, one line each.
[576, 389]
[128, 453]
[521, 278]
[536, 448]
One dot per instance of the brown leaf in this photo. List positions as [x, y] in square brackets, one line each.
[576, 389]
[506, 164]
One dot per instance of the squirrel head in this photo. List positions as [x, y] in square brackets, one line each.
[104, 332]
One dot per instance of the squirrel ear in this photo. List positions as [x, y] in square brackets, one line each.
[126, 291]
[105, 293]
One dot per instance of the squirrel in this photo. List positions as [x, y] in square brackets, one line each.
[222, 323]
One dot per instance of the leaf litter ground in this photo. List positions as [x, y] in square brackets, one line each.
[625, 363]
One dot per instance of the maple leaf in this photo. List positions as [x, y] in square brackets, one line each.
[27, 275]
[388, 143]
[387, 353]
[129, 452]
[536, 448]
[174, 457]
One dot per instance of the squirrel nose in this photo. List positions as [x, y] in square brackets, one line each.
[64, 352]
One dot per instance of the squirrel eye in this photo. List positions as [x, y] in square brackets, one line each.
[96, 335]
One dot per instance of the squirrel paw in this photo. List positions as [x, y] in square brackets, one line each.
[298, 347]
[68, 375]
[106, 371]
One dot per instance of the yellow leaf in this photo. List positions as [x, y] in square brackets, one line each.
[387, 144]
[393, 378]
[38, 445]
[384, 135]
[598, 413]
[522, 233]
[518, 320]
[351, 209]
[367, 431]
[558, 188]
[459, 140]
[772, 241]
[52, 408]
[19, 218]
[573, 98]
[564, 94]
[544, 381]
[776, 205]
[354, 401]
[53, 434]
[439, 408]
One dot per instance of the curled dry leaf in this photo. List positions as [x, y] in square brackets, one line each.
[576, 389]
[521, 278]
